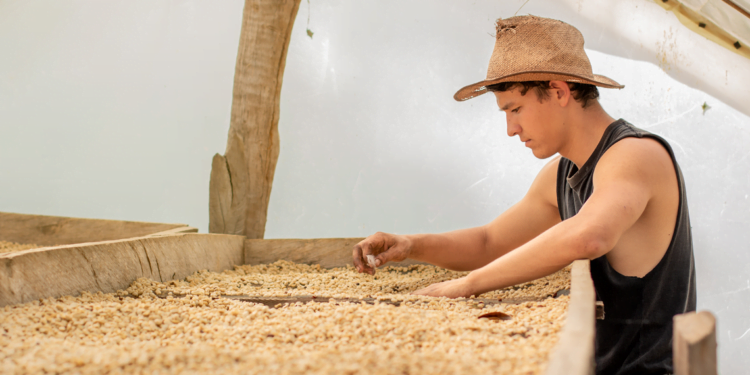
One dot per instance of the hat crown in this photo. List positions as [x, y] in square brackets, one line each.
[529, 48]
[533, 44]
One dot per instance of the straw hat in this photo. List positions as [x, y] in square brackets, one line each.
[529, 48]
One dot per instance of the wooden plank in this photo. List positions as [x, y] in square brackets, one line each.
[694, 344]
[112, 265]
[57, 230]
[241, 180]
[328, 252]
[274, 301]
[281, 300]
[179, 230]
[574, 353]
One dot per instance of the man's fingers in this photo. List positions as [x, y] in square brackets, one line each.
[433, 290]
[422, 292]
[358, 258]
[393, 254]
[373, 252]
[367, 250]
[452, 289]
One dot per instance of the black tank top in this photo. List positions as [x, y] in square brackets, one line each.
[635, 337]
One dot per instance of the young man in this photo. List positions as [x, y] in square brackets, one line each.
[614, 195]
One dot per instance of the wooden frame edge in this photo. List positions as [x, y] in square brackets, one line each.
[574, 353]
[181, 230]
[109, 266]
[327, 252]
[46, 230]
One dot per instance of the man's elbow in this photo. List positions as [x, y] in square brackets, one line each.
[591, 244]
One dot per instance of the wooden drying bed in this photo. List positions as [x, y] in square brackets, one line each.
[172, 252]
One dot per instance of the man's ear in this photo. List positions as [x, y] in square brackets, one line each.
[560, 91]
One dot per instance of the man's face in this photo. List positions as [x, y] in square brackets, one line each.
[538, 124]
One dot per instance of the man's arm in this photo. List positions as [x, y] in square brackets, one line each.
[623, 182]
[472, 248]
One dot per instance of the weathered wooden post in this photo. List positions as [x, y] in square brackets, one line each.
[241, 180]
[694, 344]
[574, 353]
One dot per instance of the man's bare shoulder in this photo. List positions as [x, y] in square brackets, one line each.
[644, 168]
[642, 158]
[544, 186]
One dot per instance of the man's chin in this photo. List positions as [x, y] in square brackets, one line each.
[539, 154]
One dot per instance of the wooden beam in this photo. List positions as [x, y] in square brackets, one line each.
[694, 344]
[241, 180]
[574, 353]
[738, 8]
[110, 266]
[703, 26]
[57, 230]
[328, 252]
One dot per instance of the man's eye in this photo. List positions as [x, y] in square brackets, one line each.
[515, 110]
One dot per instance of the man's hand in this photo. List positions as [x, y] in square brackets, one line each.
[385, 247]
[451, 289]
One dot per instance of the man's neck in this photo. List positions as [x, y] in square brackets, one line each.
[586, 130]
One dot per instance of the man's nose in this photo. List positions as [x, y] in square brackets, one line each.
[513, 128]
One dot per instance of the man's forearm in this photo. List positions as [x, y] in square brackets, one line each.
[544, 255]
[460, 250]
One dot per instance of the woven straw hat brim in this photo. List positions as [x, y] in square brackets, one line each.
[479, 88]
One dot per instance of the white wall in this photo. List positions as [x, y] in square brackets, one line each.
[114, 110]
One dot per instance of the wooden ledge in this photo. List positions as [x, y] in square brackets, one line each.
[110, 266]
[45, 230]
[574, 353]
[328, 252]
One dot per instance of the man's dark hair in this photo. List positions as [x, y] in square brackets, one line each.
[582, 93]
